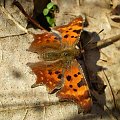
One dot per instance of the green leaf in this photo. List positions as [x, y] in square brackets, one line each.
[51, 21]
[53, 25]
[45, 11]
[50, 5]
[54, 7]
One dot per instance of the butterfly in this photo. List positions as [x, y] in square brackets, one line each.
[59, 69]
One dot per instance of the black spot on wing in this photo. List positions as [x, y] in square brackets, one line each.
[75, 75]
[49, 72]
[70, 86]
[47, 40]
[55, 38]
[70, 28]
[72, 36]
[78, 73]
[57, 72]
[60, 76]
[75, 90]
[77, 31]
[68, 77]
[66, 36]
[81, 83]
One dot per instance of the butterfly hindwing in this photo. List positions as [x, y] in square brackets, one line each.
[75, 87]
[47, 74]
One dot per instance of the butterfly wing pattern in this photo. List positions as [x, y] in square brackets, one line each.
[47, 74]
[75, 87]
[59, 71]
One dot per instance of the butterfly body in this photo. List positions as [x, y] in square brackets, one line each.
[63, 54]
[59, 70]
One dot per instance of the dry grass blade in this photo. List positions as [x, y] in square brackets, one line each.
[115, 106]
[11, 18]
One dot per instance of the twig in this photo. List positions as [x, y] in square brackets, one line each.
[25, 114]
[4, 3]
[16, 3]
[113, 117]
[104, 43]
[13, 35]
[11, 18]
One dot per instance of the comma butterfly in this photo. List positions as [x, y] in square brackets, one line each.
[59, 70]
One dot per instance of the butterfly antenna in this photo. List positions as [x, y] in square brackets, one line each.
[93, 38]
[100, 31]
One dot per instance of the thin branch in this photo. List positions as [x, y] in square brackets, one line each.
[104, 43]
[4, 3]
[13, 35]
[16, 3]
[113, 117]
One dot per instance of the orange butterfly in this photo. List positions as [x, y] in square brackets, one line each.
[60, 71]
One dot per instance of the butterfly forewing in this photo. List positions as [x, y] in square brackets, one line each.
[71, 32]
[44, 41]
